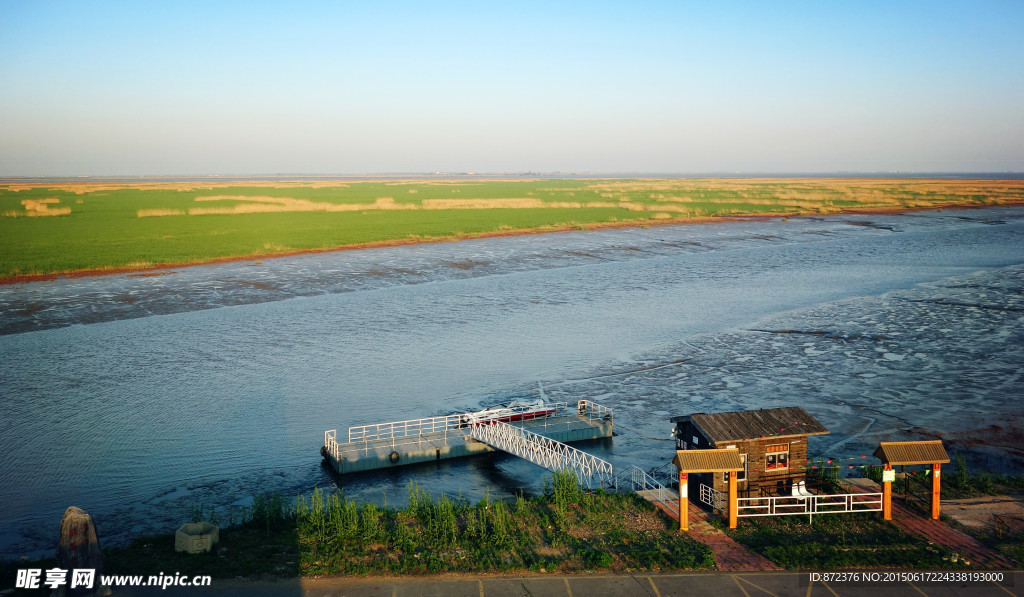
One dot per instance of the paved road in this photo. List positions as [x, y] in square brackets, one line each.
[719, 584]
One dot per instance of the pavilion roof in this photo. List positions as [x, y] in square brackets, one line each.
[745, 425]
[708, 461]
[926, 452]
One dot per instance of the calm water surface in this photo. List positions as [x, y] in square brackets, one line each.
[137, 397]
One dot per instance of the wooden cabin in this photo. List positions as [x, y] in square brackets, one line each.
[772, 443]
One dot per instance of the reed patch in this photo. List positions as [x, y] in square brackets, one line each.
[38, 208]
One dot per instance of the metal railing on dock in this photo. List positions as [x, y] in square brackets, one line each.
[331, 443]
[380, 445]
[402, 429]
[412, 429]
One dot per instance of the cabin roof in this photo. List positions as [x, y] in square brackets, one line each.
[708, 461]
[790, 421]
[926, 452]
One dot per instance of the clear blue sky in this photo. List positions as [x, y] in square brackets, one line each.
[106, 88]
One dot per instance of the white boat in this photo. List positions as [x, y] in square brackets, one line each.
[517, 410]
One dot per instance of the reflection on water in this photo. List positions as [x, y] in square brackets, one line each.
[215, 382]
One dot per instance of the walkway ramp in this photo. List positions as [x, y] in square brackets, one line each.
[545, 452]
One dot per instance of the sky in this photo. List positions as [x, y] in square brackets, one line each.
[90, 88]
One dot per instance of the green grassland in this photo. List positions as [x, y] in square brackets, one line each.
[838, 541]
[67, 227]
[325, 534]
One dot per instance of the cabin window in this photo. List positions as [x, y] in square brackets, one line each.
[741, 475]
[776, 457]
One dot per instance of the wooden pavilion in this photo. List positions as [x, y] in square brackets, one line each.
[706, 461]
[910, 453]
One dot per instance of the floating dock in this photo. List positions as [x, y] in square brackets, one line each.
[540, 440]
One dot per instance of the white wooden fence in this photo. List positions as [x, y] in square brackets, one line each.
[825, 503]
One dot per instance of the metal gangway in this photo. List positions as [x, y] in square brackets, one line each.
[545, 452]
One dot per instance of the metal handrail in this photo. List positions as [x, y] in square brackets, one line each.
[543, 451]
[396, 429]
[594, 411]
[712, 497]
[644, 482]
[331, 442]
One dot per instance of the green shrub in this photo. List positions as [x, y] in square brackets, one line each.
[960, 476]
[370, 530]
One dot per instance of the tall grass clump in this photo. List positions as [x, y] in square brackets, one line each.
[961, 479]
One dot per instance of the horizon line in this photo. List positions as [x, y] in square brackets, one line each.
[536, 174]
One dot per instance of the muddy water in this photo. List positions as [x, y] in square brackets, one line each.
[137, 397]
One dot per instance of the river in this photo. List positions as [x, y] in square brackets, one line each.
[137, 397]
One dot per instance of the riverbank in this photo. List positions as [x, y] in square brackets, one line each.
[327, 539]
[66, 229]
[161, 269]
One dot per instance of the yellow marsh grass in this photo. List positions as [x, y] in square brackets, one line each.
[157, 213]
[664, 195]
[38, 208]
[81, 188]
[260, 204]
[517, 203]
[821, 194]
[871, 191]
[247, 204]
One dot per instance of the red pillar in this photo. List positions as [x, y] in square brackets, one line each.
[732, 499]
[935, 490]
[887, 495]
[684, 502]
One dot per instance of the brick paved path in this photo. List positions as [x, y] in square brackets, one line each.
[921, 525]
[729, 555]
